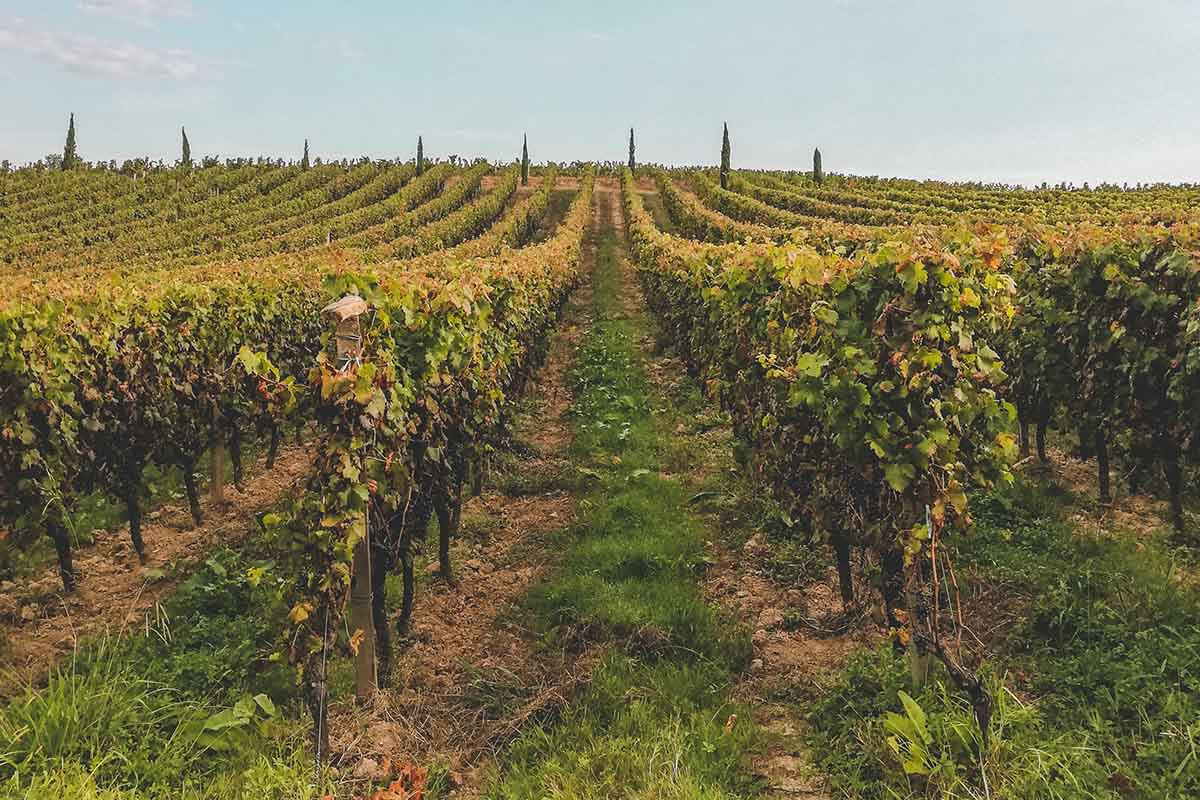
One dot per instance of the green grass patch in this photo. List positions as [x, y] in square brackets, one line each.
[1105, 656]
[193, 707]
[640, 730]
[652, 722]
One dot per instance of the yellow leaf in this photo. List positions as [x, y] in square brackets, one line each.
[300, 612]
[254, 575]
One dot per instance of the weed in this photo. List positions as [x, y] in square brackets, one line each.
[187, 709]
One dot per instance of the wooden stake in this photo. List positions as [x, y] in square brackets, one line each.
[217, 468]
[345, 314]
[366, 680]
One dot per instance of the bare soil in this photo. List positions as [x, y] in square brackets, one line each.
[1140, 514]
[800, 642]
[115, 592]
[490, 181]
[1142, 518]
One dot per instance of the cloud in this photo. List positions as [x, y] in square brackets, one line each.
[91, 56]
[142, 12]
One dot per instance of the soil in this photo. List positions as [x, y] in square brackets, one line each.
[115, 592]
[489, 182]
[796, 651]
[1140, 514]
[1142, 518]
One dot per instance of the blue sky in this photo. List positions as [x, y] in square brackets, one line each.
[1018, 90]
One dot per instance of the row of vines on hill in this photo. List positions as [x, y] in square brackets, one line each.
[162, 366]
[866, 387]
[197, 217]
[881, 369]
[1104, 326]
[445, 351]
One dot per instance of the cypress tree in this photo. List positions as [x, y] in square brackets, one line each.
[186, 160]
[818, 173]
[631, 149]
[70, 155]
[304, 162]
[420, 156]
[725, 158]
[525, 161]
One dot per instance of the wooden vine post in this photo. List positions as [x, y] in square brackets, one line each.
[216, 458]
[345, 313]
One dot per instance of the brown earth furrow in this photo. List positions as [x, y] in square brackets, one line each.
[115, 591]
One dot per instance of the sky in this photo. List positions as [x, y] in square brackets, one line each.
[1016, 91]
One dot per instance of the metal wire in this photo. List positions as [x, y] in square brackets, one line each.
[324, 695]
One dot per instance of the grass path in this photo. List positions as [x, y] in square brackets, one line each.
[659, 717]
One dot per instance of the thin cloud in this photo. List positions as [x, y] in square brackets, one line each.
[88, 55]
[142, 12]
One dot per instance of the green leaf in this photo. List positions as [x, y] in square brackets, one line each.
[225, 719]
[249, 359]
[811, 365]
[826, 314]
[917, 715]
[265, 703]
[899, 476]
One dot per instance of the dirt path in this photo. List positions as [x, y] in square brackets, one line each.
[115, 591]
[470, 673]
[799, 644]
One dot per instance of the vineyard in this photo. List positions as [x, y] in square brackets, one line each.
[433, 479]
